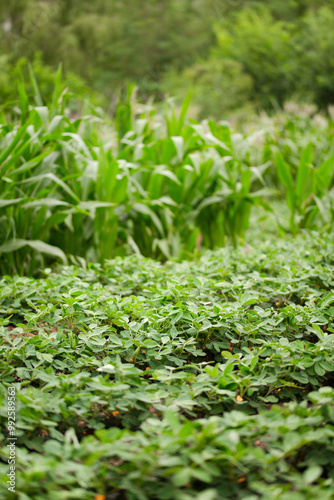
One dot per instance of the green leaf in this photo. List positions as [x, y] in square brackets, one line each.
[284, 173]
[144, 209]
[15, 244]
[45, 202]
[312, 474]
[7, 203]
[53, 178]
[303, 173]
[17, 138]
[248, 298]
[324, 175]
[210, 494]
[106, 368]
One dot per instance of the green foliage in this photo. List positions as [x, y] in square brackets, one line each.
[206, 379]
[151, 182]
[38, 191]
[203, 374]
[161, 184]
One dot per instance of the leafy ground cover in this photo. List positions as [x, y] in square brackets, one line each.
[206, 379]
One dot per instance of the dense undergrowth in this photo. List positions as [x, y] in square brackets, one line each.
[206, 379]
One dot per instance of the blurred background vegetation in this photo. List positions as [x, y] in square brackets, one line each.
[235, 55]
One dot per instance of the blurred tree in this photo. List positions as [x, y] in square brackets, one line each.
[265, 49]
[107, 42]
[317, 56]
[218, 86]
[229, 52]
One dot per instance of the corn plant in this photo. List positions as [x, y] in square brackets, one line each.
[149, 181]
[182, 173]
[305, 188]
[40, 169]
